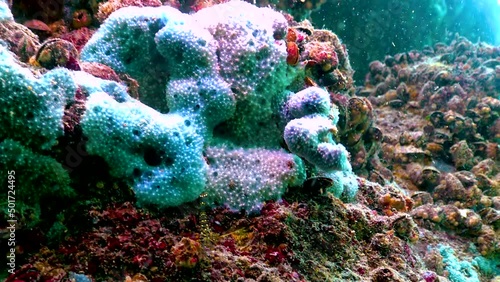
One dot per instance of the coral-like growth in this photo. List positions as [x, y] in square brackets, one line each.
[320, 240]
[215, 116]
[187, 253]
[311, 138]
[457, 270]
[242, 109]
[216, 86]
[225, 82]
[311, 127]
[32, 109]
[163, 155]
[41, 180]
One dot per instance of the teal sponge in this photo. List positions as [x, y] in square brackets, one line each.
[310, 125]
[90, 84]
[219, 79]
[190, 49]
[250, 57]
[207, 100]
[126, 40]
[235, 43]
[345, 184]
[40, 179]
[459, 271]
[488, 266]
[126, 43]
[32, 108]
[160, 154]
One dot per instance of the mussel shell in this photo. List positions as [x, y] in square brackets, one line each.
[430, 177]
[328, 79]
[492, 63]
[317, 184]
[437, 119]
[448, 58]
[441, 136]
[491, 217]
[375, 134]
[363, 92]
[396, 104]
[427, 50]
[56, 53]
[37, 25]
[467, 178]
[422, 198]
[428, 130]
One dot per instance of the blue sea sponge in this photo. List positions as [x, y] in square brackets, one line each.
[345, 185]
[190, 50]
[126, 40]
[219, 79]
[36, 178]
[207, 101]
[32, 108]
[126, 43]
[487, 265]
[160, 154]
[311, 138]
[235, 42]
[310, 126]
[90, 84]
[251, 60]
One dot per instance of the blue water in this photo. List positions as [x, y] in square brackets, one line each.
[373, 29]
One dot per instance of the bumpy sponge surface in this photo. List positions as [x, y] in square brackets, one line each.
[126, 43]
[189, 49]
[32, 108]
[219, 78]
[207, 101]
[5, 13]
[162, 153]
[40, 179]
[310, 101]
[243, 178]
[311, 127]
[235, 43]
[311, 138]
[249, 57]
